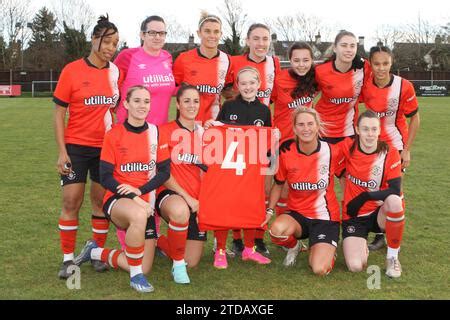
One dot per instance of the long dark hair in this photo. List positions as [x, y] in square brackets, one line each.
[184, 87]
[104, 28]
[306, 85]
[382, 146]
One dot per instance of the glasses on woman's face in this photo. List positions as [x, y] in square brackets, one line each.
[153, 33]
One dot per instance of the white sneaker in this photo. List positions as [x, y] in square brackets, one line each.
[291, 255]
[393, 268]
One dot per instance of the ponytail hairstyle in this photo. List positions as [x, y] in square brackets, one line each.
[382, 147]
[306, 85]
[103, 28]
[206, 17]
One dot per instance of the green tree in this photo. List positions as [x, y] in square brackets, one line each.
[45, 50]
[75, 43]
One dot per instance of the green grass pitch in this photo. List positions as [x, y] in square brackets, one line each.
[30, 203]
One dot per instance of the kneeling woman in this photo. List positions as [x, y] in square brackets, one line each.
[307, 164]
[132, 165]
[177, 201]
[372, 198]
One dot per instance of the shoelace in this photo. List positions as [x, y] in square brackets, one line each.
[396, 265]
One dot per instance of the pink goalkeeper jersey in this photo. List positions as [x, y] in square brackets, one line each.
[155, 73]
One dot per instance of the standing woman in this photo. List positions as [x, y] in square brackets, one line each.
[308, 165]
[177, 201]
[340, 80]
[372, 197]
[258, 45]
[205, 67]
[151, 67]
[133, 164]
[294, 88]
[394, 100]
[87, 89]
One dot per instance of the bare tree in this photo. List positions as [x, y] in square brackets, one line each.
[235, 20]
[422, 31]
[299, 26]
[75, 13]
[14, 15]
[285, 27]
[175, 31]
[389, 34]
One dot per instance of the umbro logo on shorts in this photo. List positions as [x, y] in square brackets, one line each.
[321, 236]
[351, 229]
[150, 232]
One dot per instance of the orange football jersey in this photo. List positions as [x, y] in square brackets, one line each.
[311, 180]
[367, 172]
[133, 155]
[90, 94]
[210, 76]
[338, 104]
[393, 104]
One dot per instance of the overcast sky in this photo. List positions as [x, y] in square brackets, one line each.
[359, 16]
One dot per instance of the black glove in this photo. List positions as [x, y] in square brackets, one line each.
[356, 204]
[286, 145]
[358, 62]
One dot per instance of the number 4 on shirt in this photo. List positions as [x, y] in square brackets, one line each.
[239, 165]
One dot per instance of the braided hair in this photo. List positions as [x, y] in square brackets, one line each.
[104, 28]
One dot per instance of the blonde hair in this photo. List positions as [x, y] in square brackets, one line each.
[206, 17]
[250, 69]
[313, 113]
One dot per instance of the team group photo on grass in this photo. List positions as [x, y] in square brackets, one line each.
[223, 175]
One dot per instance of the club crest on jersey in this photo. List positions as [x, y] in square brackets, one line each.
[258, 123]
[270, 78]
[222, 75]
[138, 166]
[308, 186]
[324, 169]
[153, 148]
[101, 100]
[392, 104]
[142, 66]
[371, 184]
[376, 171]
